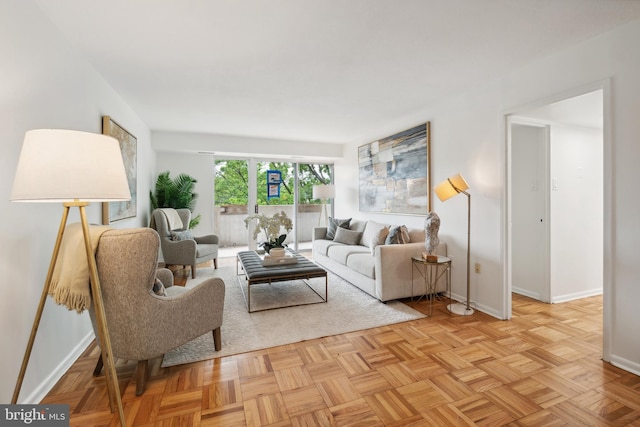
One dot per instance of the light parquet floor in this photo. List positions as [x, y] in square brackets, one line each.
[542, 368]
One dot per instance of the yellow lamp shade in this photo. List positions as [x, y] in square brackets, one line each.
[450, 187]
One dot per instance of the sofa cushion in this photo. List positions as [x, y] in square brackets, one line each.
[397, 235]
[322, 246]
[205, 249]
[370, 232]
[357, 224]
[334, 223]
[363, 264]
[340, 253]
[348, 237]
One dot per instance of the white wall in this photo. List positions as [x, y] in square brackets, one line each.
[465, 138]
[200, 167]
[241, 146]
[576, 212]
[468, 136]
[46, 85]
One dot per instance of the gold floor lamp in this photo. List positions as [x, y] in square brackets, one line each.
[446, 190]
[73, 168]
[324, 192]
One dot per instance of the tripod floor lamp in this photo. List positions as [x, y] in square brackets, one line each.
[324, 192]
[73, 168]
[446, 190]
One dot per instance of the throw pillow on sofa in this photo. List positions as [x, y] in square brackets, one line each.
[348, 237]
[370, 232]
[334, 223]
[158, 288]
[176, 236]
[397, 236]
[379, 239]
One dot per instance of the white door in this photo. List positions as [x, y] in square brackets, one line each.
[529, 208]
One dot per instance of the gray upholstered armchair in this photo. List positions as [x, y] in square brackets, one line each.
[179, 246]
[143, 325]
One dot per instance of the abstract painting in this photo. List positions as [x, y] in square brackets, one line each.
[115, 211]
[394, 173]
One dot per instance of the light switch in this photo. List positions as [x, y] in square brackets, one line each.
[554, 184]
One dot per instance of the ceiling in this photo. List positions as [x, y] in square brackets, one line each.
[313, 70]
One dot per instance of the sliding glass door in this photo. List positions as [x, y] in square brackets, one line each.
[275, 185]
[231, 196]
[310, 210]
[243, 187]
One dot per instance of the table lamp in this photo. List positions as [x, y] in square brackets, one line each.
[324, 192]
[73, 168]
[446, 190]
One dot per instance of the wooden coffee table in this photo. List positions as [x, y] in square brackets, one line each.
[255, 273]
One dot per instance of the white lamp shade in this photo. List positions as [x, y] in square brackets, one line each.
[450, 187]
[324, 192]
[64, 165]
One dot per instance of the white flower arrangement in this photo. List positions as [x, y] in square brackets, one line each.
[271, 226]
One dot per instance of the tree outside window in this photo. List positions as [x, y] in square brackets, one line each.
[232, 179]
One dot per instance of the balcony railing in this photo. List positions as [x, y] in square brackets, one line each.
[231, 230]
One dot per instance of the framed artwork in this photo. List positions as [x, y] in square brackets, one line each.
[274, 177]
[116, 211]
[395, 173]
[273, 191]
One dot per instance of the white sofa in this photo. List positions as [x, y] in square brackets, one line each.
[384, 272]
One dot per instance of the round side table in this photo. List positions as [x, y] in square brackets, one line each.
[431, 272]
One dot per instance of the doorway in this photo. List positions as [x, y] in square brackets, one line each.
[556, 199]
[530, 209]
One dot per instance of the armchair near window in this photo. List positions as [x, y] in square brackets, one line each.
[142, 324]
[179, 246]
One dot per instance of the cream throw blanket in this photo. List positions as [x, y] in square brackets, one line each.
[70, 284]
[173, 219]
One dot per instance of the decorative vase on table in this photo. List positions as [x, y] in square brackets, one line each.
[275, 247]
[277, 252]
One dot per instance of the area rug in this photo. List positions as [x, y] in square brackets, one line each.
[348, 309]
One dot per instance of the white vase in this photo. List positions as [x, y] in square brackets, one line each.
[276, 252]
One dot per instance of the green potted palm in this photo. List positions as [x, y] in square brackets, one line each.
[175, 193]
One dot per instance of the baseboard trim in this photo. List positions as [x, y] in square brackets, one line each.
[478, 307]
[627, 365]
[576, 295]
[527, 293]
[52, 379]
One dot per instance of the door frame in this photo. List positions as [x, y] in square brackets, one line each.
[608, 230]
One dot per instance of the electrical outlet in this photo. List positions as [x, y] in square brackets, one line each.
[476, 267]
